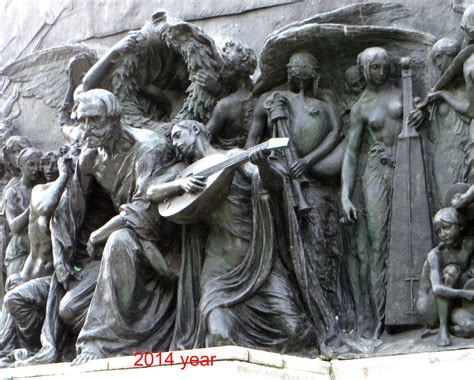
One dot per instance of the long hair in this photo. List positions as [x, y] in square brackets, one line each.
[365, 58]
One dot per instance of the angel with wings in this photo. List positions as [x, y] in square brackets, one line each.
[152, 72]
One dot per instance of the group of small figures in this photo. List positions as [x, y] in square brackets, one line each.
[279, 246]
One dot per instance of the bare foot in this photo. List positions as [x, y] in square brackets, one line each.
[84, 357]
[443, 337]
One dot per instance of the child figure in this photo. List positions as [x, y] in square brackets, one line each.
[445, 272]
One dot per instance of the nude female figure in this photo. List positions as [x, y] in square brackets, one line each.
[376, 122]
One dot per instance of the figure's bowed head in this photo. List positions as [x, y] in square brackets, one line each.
[449, 224]
[190, 138]
[29, 161]
[374, 63]
[99, 114]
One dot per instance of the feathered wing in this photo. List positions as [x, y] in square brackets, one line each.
[43, 74]
[199, 53]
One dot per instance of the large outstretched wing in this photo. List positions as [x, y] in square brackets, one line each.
[199, 53]
[43, 74]
[335, 39]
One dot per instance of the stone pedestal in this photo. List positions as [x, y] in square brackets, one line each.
[241, 363]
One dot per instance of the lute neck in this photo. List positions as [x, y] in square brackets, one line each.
[234, 161]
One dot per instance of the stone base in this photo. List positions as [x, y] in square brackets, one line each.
[241, 363]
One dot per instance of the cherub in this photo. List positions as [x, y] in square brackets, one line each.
[445, 277]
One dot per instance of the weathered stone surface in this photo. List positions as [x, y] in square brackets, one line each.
[293, 253]
[232, 364]
[31, 26]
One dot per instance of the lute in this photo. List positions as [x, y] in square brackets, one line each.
[218, 169]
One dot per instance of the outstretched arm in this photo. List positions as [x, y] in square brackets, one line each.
[447, 292]
[461, 106]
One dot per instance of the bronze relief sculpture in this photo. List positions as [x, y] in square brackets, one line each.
[161, 232]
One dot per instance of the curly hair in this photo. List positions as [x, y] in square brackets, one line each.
[247, 59]
[50, 156]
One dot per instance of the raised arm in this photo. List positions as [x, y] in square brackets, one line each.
[45, 198]
[98, 72]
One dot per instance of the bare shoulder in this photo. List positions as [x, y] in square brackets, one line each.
[357, 107]
[434, 256]
[38, 190]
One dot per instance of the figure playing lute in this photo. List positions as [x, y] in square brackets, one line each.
[202, 185]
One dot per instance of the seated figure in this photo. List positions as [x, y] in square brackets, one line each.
[446, 284]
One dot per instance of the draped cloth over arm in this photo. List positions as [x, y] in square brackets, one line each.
[258, 301]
